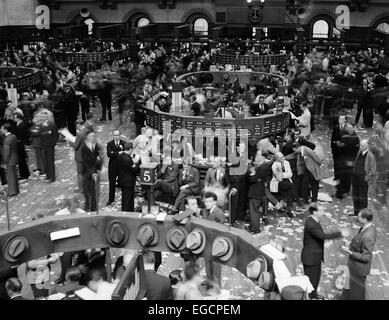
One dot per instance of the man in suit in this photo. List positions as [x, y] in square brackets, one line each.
[309, 167]
[305, 120]
[78, 144]
[259, 107]
[348, 151]
[157, 286]
[365, 105]
[13, 286]
[360, 255]
[10, 159]
[127, 169]
[337, 132]
[239, 182]
[92, 162]
[72, 284]
[166, 187]
[213, 213]
[21, 134]
[48, 139]
[312, 253]
[115, 147]
[257, 178]
[105, 95]
[189, 183]
[364, 175]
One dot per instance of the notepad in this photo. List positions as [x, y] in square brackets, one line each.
[272, 252]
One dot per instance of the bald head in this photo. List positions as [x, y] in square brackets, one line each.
[279, 157]
[364, 145]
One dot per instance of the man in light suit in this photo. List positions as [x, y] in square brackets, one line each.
[312, 253]
[364, 176]
[305, 120]
[360, 255]
[10, 159]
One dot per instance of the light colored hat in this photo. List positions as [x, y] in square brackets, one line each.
[175, 238]
[222, 248]
[147, 235]
[196, 241]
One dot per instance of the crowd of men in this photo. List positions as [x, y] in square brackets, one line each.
[283, 172]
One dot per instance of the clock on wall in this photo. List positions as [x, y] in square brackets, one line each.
[255, 15]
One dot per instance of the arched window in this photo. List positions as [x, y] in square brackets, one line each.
[200, 26]
[383, 26]
[321, 29]
[143, 22]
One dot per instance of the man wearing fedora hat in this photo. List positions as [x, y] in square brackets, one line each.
[312, 253]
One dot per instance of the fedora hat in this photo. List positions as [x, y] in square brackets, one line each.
[292, 293]
[196, 241]
[266, 280]
[175, 238]
[147, 235]
[116, 233]
[222, 248]
[15, 247]
[256, 267]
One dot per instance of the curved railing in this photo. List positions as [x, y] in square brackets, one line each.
[80, 57]
[20, 77]
[128, 230]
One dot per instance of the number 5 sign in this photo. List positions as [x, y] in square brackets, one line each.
[148, 174]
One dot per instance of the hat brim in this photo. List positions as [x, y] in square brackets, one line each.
[230, 252]
[262, 260]
[171, 246]
[155, 233]
[201, 248]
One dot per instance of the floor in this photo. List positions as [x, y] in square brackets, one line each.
[37, 196]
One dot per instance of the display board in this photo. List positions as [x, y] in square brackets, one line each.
[79, 57]
[249, 60]
[20, 77]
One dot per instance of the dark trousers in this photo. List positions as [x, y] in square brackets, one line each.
[256, 214]
[24, 172]
[39, 159]
[71, 123]
[368, 112]
[89, 188]
[163, 191]
[84, 109]
[239, 200]
[357, 287]
[213, 271]
[12, 179]
[313, 273]
[337, 166]
[112, 178]
[309, 183]
[128, 195]
[48, 160]
[297, 190]
[79, 177]
[182, 195]
[106, 106]
[285, 191]
[3, 176]
[360, 189]
[345, 175]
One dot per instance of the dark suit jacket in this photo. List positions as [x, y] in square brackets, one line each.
[21, 133]
[92, 161]
[171, 176]
[78, 144]
[362, 246]
[336, 136]
[48, 136]
[126, 170]
[256, 111]
[216, 215]
[10, 150]
[257, 182]
[192, 179]
[113, 153]
[313, 242]
[350, 148]
[157, 286]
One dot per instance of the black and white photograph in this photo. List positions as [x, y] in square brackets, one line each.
[202, 150]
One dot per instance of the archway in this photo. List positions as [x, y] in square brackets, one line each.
[320, 29]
